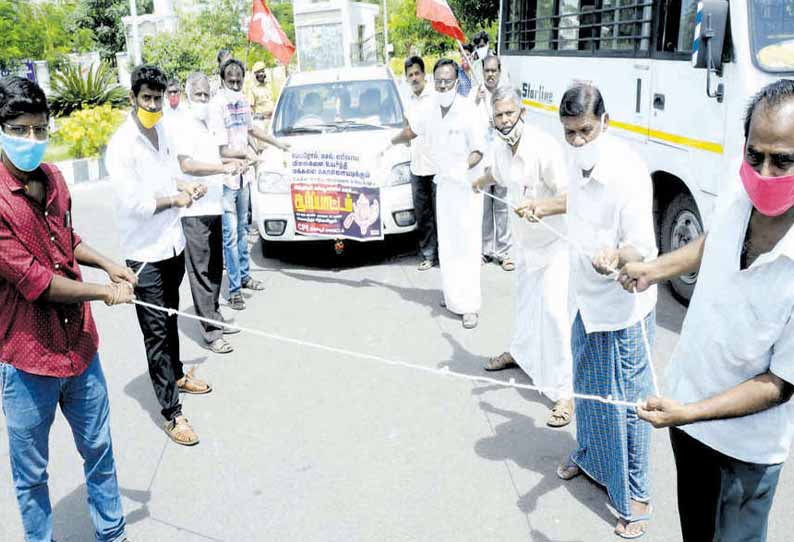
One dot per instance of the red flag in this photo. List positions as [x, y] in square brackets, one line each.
[265, 30]
[440, 15]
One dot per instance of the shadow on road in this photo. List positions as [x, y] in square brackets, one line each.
[538, 449]
[419, 296]
[140, 389]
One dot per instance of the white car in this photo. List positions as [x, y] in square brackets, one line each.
[351, 108]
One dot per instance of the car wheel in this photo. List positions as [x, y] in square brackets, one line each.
[681, 224]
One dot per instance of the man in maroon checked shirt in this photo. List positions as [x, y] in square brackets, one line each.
[48, 340]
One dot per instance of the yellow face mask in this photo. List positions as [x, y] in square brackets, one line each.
[147, 118]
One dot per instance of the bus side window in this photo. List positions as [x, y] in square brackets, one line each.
[677, 22]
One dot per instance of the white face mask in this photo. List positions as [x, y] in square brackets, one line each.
[232, 95]
[482, 52]
[200, 110]
[445, 99]
[514, 135]
[586, 157]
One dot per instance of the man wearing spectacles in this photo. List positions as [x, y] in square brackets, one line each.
[455, 138]
[48, 339]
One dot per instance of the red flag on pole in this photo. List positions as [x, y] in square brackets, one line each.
[440, 15]
[265, 30]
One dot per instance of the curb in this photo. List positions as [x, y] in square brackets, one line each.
[83, 170]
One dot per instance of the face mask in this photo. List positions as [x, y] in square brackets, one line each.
[147, 118]
[514, 134]
[173, 101]
[233, 96]
[26, 154]
[445, 99]
[200, 110]
[772, 196]
[586, 157]
[482, 52]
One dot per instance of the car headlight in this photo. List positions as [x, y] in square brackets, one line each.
[400, 174]
[270, 182]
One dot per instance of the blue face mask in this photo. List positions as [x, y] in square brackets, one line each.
[26, 154]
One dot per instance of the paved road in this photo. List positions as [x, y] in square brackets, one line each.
[303, 445]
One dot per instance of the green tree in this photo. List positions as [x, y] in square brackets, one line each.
[220, 25]
[40, 31]
[103, 17]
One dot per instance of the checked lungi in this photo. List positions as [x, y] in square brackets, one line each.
[613, 443]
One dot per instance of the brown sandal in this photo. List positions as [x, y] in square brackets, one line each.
[180, 431]
[561, 413]
[190, 384]
[500, 362]
[508, 264]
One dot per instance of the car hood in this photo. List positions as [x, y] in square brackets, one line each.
[362, 147]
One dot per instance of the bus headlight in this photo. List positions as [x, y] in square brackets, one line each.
[400, 174]
[270, 182]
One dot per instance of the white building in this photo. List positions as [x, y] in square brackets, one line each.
[335, 33]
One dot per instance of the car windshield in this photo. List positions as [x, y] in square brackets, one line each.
[772, 34]
[338, 106]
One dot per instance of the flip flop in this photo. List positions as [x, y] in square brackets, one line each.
[500, 362]
[572, 469]
[646, 517]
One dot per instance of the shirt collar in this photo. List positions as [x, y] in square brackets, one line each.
[784, 247]
[135, 132]
[14, 185]
[9, 181]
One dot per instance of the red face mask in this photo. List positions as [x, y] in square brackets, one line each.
[173, 100]
[772, 196]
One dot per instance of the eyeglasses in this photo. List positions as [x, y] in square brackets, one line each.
[39, 132]
[445, 83]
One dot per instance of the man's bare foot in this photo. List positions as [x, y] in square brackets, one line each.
[636, 527]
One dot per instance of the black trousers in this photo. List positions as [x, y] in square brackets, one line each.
[424, 195]
[204, 263]
[158, 284]
[721, 499]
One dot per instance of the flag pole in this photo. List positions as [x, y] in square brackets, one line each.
[468, 59]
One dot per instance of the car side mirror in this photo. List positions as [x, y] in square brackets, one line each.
[711, 24]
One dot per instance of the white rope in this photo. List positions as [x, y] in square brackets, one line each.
[578, 248]
[608, 400]
[371, 357]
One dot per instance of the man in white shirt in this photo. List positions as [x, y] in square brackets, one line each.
[173, 94]
[610, 223]
[529, 165]
[231, 123]
[200, 160]
[731, 376]
[422, 170]
[142, 165]
[497, 243]
[450, 128]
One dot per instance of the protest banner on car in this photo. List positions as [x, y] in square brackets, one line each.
[333, 195]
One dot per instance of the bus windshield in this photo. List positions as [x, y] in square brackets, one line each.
[772, 34]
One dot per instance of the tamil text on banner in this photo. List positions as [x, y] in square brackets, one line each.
[334, 195]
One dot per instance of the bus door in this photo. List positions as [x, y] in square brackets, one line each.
[682, 115]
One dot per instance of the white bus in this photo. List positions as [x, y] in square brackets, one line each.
[686, 121]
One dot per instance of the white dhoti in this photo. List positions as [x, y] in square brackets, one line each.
[459, 227]
[541, 342]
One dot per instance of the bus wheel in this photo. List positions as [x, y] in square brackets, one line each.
[680, 225]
